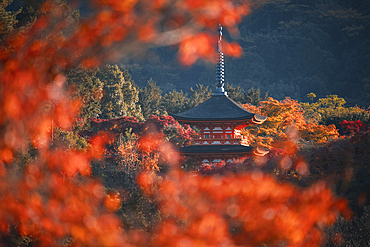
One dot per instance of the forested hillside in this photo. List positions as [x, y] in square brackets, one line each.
[291, 48]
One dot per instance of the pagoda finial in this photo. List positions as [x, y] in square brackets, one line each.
[220, 66]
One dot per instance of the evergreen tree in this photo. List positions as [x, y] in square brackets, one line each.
[120, 96]
[32, 9]
[175, 102]
[150, 100]
[89, 89]
[8, 19]
[253, 96]
[236, 93]
[199, 95]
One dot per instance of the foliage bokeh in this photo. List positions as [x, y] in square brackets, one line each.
[53, 199]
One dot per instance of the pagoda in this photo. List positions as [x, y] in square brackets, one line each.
[217, 119]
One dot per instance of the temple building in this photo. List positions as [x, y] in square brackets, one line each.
[217, 119]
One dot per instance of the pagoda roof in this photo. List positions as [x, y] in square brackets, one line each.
[223, 149]
[215, 149]
[218, 108]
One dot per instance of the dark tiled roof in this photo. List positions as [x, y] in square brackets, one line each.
[216, 149]
[218, 107]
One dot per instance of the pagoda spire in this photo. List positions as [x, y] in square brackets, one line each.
[220, 66]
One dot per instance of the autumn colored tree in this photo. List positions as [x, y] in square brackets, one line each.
[241, 209]
[167, 126]
[332, 110]
[351, 127]
[285, 122]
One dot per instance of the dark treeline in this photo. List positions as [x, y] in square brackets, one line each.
[291, 48]
[109, 92]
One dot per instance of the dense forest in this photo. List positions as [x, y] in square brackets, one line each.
[88, 147]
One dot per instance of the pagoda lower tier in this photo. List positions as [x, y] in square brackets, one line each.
[216, 153]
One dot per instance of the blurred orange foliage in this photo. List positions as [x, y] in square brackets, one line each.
[243, 210]
[52, 198]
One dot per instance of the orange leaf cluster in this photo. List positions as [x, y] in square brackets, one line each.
[243, 210]
[155, 142]
[195, 47]
[151, 142]
[286, 122]
[49, 207]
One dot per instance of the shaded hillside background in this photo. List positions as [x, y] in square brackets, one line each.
[291, 48]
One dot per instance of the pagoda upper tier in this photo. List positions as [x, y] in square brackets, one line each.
[218, 108]
[219, 120]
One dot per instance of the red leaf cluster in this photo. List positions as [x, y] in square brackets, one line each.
[351, 127]
[166, 125]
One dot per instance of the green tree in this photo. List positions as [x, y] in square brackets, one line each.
[150, 100]
[235, 93]
[8, 19]
[120, 97]
[89, 89]
[175, 102]
[331, 110]
[31, 11]
[254, 96]
[68, 140]
[238, 94]
[199, 95]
